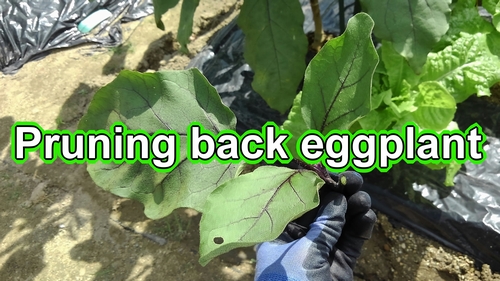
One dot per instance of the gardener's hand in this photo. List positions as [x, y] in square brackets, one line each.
[331, 246]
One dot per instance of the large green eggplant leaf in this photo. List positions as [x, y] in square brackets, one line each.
[413, 26]
[296, 125]
[186, 23]
[161, 7]
[275, 48]
[242, 213]
[168, 100]
[337, 84]
[464, 68]
[435, 106]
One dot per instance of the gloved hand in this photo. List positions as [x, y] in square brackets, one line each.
[328, 250]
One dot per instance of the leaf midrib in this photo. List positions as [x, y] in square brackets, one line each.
[264, 209]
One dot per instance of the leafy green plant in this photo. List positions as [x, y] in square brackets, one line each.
[432, 57]
[235, 212]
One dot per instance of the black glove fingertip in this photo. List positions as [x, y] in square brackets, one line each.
[361, 225]
[351, 182]
[359, 202]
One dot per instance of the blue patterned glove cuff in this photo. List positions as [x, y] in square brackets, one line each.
[275, 277]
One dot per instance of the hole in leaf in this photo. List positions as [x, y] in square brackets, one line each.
[218, 240]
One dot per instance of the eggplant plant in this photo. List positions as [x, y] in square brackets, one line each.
[235, 212]
[432, 55]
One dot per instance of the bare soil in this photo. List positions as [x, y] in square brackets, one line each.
[56, 224]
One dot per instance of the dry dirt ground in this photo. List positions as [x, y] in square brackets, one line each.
[56, 224]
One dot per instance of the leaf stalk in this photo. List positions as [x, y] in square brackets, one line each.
[341, 16]
[318, 25]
